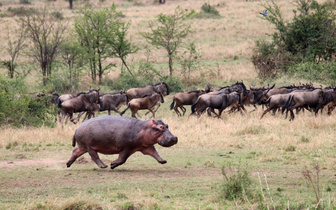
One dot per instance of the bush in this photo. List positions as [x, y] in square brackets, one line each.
[25, 2]
[127, 81]
[23, 110]
[322, 72]
[174, 84]
[237, 184]
[207, 8]
[308, 37]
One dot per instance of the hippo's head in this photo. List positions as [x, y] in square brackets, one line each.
[162, 134]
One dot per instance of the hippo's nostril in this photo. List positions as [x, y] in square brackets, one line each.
[174, 139]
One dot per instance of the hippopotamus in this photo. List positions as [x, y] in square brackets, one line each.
[120, 135]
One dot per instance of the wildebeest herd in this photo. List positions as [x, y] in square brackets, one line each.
[235, 97]
[126, 135]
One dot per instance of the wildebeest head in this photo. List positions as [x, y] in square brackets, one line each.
[162, 88]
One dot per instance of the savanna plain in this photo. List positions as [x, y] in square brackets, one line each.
[274, 151]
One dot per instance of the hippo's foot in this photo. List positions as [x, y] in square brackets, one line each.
[163, 161]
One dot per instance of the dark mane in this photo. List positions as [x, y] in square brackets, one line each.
[194, 91]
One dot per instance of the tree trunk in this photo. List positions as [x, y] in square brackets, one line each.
[124, 63]
[170, 65]
[70, 2]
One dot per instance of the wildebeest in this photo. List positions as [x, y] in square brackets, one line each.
[113, 101]
[312, 99]
[161, 88]
[275, 102]
[147, 102]
[186, 98]
[218, 101]
[83, 102]
[120, 135]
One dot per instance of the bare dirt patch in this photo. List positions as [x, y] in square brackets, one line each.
[25, 162]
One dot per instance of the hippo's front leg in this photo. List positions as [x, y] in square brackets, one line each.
[152, 152]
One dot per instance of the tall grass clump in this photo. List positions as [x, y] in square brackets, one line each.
[236, 184]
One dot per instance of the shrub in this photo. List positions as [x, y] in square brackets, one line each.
[58, 15]
[236, 184]
[308, 37]
[174, 84]
[24, 110]
[207, 8]
[25, 2]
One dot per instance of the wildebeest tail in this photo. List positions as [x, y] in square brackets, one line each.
[287, 104]
[172, 105]
[123, 112]
[73, 141]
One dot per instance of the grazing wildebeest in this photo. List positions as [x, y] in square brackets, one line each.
[147, 102]
[161, 88]
[186, 98]
[113, 101]
[83, 102]
[312, 99]
[120, 135]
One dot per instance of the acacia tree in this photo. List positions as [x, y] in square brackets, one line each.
[46, 35]
[102, 35]
[13, 47]
[168, 32]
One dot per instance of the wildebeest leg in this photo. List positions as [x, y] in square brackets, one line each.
[291, 115]
[152, 152]
[109, 111]
[76, 153]
[123, 155]
[255, 108]
[116, 110]
[183, 109]
[95, 158]
[267, 110]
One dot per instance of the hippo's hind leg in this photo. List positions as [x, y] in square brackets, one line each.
[77, 152]
[95, 158]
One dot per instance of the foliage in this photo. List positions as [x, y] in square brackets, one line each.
[168, 32]
[71, 54]
[208, 11]
[103, 35]
[236, 184]
[127, 81]
[189, 60]
[20, 11]
[321, 72]
[13, 47]
[174, 84]
[308, 37]
[45, 32]
[23, 110]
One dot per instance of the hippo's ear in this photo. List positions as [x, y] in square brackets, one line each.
[154, 122]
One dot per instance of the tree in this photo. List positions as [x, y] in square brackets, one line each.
[189, 59]
[13, 47]
[71, 55]
[70, 4]
[46, 35]
[121, 47]
[102, 35]
[168, 32]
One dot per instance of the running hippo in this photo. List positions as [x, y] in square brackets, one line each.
[120, 135]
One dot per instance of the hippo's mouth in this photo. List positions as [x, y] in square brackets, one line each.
[168, 142]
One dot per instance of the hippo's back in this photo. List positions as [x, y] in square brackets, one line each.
[104, 131]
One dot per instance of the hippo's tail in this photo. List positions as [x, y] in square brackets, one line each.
[172, 105]
[73, 141]
[123, 112]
